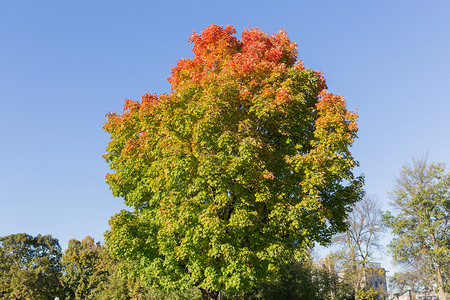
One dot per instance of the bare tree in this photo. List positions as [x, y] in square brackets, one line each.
[359, 243]
[410, 282]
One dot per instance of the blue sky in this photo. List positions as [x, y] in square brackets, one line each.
[65, 64]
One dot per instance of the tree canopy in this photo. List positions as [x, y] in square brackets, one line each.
[242, 166]
[421, 244]
[85, 265]
[89, 272]
[29, 267]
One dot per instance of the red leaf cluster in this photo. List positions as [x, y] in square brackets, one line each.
[217, 50]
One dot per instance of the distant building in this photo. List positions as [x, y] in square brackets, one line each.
[427, 297]
[376, 278]
[408, 295]
[373, 277]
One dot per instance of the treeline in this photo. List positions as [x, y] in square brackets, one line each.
[36, 268]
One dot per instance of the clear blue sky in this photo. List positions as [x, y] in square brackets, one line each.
[65, 64]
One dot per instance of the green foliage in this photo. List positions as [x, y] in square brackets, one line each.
[421, 197]
[116, 286]
[300, 280]
[29, 267]
[244, 165]
[190, 294]
[368, 294]
[89, 272]
[85, 266]
[303, 281]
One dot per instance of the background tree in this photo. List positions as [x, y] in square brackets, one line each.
[89, 272]
[304, 281]
[29, 267]
[117, 286]
[300, 280]
[85, 266]
[240, 168]
[421, 199]
[359, 243]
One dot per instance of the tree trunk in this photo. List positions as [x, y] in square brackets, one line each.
[440, 280]
[442, 294]
[440, 277]
[209, 295]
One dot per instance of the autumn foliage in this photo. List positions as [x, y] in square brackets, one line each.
[242, 166]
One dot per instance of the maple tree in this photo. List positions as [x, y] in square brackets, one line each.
[242, 166]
